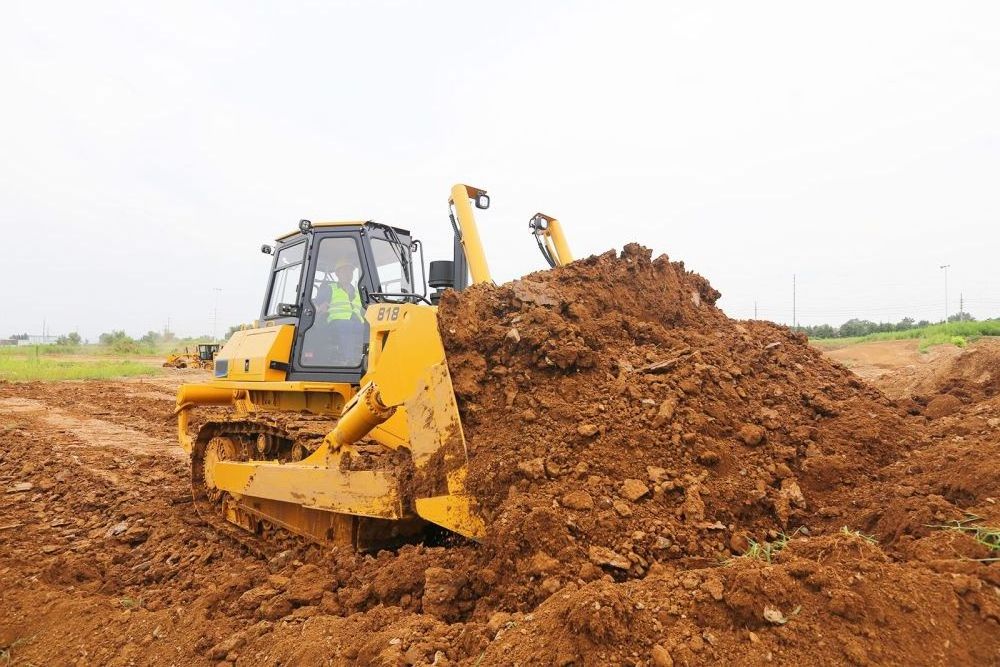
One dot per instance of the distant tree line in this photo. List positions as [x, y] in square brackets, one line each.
[70, 340]
[857, 327]
[122, 343]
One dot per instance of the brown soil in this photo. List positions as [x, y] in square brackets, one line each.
[628, 442]
[893, 359]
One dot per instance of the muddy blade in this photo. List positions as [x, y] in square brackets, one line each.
[439, 456]
[322, 527]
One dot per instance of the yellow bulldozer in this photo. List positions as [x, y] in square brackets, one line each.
[338, 420]
[203, 358]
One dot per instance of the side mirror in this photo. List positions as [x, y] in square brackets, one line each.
[305, 226]
[538, 223]
[482, 201]
[266, 249]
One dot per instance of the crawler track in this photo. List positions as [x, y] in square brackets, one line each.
[264, 526]
[284, 438]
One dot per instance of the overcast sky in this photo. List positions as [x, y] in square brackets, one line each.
[148, 149]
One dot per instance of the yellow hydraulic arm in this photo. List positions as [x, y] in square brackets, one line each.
[551, 240]
[467, 233]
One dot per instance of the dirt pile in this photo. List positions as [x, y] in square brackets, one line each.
[616, 418]
[623, 429]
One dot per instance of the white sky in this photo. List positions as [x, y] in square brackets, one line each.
[149, 149]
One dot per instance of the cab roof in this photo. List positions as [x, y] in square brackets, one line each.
[339, 223]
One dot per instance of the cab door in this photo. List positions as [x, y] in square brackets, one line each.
[332, 336]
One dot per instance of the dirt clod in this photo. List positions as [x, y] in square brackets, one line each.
[661, 657]
[605, 556]
[633, 489]
[578, 500]
[942, 406]
[751, 434]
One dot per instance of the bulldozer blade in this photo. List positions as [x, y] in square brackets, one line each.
[437, 445]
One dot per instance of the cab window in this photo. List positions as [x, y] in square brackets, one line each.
[338, 331]
[392, 262]
[285, 281]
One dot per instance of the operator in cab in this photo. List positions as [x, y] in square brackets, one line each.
[345, 313]
[345, 299]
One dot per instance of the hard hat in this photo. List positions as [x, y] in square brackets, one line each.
[345, 262]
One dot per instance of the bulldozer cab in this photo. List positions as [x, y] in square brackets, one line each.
[206, 352]
[322, 280]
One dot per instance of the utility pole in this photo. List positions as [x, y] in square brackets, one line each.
[945, 267]
[961, 306]
[215, 315]
[755, 308]
[795, 319]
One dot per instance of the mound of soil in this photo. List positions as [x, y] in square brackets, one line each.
[616, 419]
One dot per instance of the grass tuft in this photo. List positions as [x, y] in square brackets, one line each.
[766, 552]
[988, 536]
[870, 539]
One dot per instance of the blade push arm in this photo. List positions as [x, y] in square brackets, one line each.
[551, 241]
[467, 233]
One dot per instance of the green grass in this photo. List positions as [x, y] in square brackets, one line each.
[942, 339]
[954, 333]
[84, 350]
[135, 349]
[40, 368]
[767, 551]
[988, 536]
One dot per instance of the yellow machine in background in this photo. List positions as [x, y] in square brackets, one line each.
[340, 427]
[204, 358]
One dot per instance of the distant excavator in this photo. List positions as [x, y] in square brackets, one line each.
[341, 423]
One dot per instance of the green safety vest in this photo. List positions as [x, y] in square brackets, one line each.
[342, 306]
